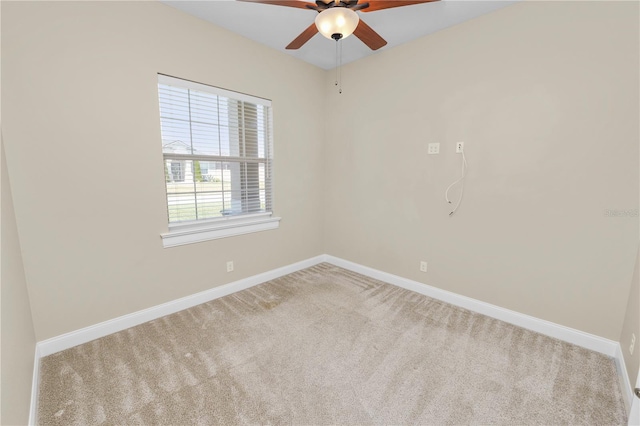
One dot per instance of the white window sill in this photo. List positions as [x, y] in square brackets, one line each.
[190, 233]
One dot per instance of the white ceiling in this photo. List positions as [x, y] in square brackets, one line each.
[277, 26]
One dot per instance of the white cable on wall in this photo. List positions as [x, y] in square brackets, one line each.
[461, 179]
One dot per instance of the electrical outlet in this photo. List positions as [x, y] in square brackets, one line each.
[434, 148]
[423, 266]
[230, 266]
[633, 343]
[459, 147]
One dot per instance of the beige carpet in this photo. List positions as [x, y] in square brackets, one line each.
[328, 346]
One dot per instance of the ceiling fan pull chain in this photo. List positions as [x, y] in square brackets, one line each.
[340, 71]
[336, 62]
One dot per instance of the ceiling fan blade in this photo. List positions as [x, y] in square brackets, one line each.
[368, 36]
[290, 3]
[388, 4]
[360, 6]
[304, 37]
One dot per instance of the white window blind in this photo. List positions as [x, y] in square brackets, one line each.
[217, 148]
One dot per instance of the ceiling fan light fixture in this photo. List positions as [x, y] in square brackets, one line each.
[337, 20]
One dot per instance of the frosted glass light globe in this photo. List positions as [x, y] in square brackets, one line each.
[337, 20]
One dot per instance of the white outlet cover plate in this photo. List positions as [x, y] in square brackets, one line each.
[434, 148]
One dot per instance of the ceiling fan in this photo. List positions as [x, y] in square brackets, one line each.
[338, 19]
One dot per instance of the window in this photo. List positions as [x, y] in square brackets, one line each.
[177, 175]
[217, 150]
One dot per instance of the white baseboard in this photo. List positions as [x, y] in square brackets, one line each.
[623, 378]
[570, 335]
[87, 334]
[35, 385]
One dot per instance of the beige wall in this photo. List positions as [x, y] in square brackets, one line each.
[82, 136]
[631, 325]
[545, 97]
[18, 337]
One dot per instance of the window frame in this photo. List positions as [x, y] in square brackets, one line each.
[200, 230]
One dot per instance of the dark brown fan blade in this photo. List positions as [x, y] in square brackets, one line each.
[368, 36]
[304, 37]
[290, 3]
[388, 4]
[359, 6]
